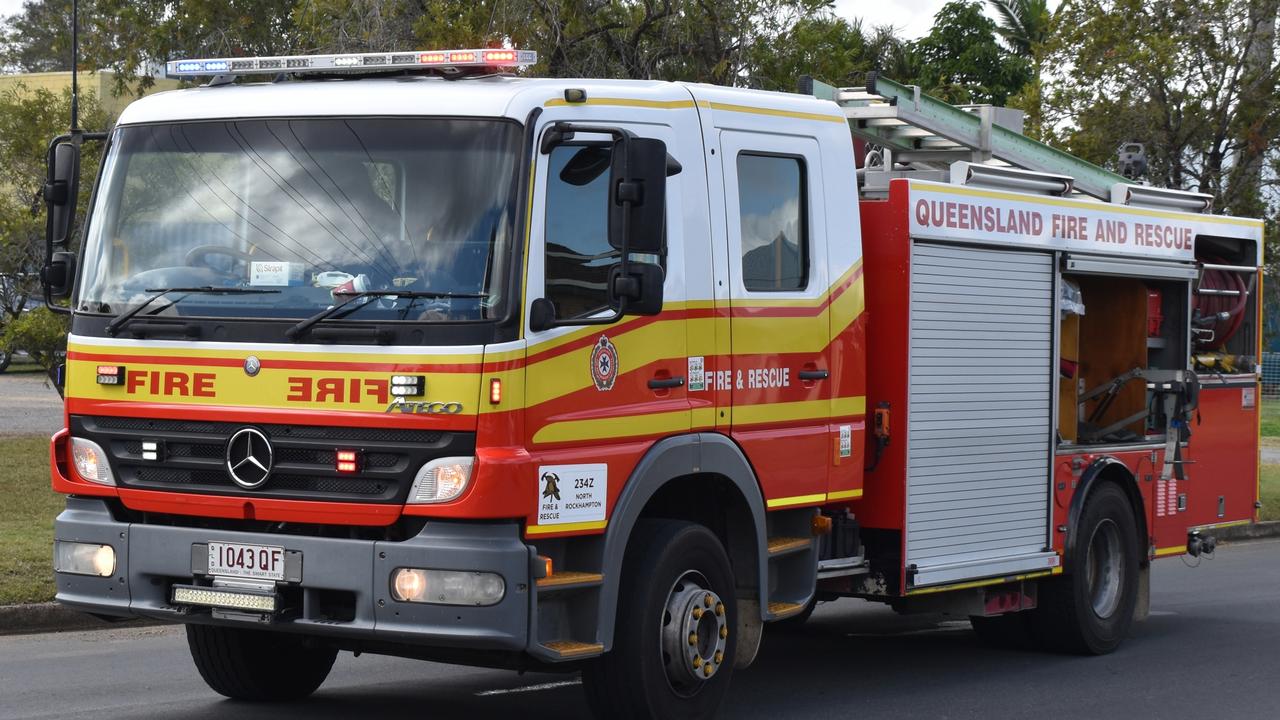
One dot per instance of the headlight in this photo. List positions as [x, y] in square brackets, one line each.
[447, 587]
[91, 461]
[84, 558]
[441, 480]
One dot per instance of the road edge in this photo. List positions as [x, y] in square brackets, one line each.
[52, 617]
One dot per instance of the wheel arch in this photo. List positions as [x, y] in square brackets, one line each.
[1102, 471]
[671, 468]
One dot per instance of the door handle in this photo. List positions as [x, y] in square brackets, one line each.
[813, 374]
[666, 383]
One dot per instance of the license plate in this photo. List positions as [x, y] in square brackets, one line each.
[260, 562]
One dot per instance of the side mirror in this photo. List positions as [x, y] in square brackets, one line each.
[639, 290]
[542, 315]
[59, 274]
[62, 185]
[638, 195]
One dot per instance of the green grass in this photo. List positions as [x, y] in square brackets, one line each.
[27, 508]
[1270, 492]
[1271, 418]
[23, 368]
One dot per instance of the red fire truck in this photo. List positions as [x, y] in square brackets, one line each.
[401, 354]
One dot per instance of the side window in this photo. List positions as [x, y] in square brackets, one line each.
[775, 243]
[578, 253]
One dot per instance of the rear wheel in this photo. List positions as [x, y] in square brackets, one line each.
[258, 665]
[1089, 610]
[674, 644]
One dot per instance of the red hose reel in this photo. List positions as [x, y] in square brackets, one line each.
[1220, 315]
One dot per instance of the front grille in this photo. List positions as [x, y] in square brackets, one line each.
[193, 457]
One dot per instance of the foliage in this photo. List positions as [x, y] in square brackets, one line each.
[961, 61]
[41, 332]
[1194, 80]
[29, 119]
[35, 39]
[1024, 24]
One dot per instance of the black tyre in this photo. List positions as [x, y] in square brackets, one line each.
[674, 642]
[1089, 610]
[1009, 631]
[258, 665]
[6, 357]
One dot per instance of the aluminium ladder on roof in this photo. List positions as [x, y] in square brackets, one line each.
[927, 134]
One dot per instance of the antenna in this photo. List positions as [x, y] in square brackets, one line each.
[75, 57]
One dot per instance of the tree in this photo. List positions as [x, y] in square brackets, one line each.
[1187, 78]
[960, 60]
[1024, 24]
[29, 119]
[35, 40]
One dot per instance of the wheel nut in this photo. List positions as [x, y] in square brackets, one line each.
[697, 661]
[724, 632]
[719, 608]
[697, 613]
[707, 600]
[719, 656]
[693, 638]
[707, 670]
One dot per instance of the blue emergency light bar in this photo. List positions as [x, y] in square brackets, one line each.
[352, 62]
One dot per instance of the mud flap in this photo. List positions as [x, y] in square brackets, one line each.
[750, 632]
[1142, 607]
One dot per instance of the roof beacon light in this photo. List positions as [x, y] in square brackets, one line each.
[493, 59]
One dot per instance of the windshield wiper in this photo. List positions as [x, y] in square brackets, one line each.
[296, 331]
[114, 326]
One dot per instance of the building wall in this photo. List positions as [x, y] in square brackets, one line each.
[101, 84]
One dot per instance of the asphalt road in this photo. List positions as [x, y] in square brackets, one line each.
[1210, 649]
[29, 405]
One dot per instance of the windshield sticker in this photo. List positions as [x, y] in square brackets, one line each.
[604, 364]
[572, 493]
[275, 273]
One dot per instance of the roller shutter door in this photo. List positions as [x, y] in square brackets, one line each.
[979, 418]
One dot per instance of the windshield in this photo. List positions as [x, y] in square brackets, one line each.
[313, 208]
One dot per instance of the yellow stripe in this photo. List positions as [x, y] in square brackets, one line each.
[1221, 525]
[984, 583]
[567, 527]
[612, 427]
[796, 500]
[774, 112]
[1161, 552]
[815, 499]
[1086, 205]
[844, 494]
[623, 102]
[800, 410]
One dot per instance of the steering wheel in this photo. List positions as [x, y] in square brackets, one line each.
[198, 256]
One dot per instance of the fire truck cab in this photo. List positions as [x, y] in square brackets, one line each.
[405, 356]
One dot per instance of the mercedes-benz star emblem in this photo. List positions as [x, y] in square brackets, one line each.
[249, 458]
[252, 365]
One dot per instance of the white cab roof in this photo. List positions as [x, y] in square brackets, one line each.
[478, 97]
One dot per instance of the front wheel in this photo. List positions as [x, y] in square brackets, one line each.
[1089, 610]
[258, 665]
[674, 641]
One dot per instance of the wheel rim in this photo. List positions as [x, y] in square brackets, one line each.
[695, 633]
[1104, 569]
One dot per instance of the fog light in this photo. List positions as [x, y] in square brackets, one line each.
[447, 587]
[91, 461]
[84, 558]
[441, 480]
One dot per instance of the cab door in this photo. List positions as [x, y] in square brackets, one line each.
[779, 317]
[597, 395]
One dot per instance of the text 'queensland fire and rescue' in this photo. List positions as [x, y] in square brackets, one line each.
[1068, 226]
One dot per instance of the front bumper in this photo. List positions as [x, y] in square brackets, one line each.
[150, 559]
